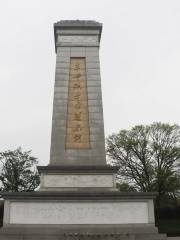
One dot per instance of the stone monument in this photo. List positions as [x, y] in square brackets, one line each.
[78, 196]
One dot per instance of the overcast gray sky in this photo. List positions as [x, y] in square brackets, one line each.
[140, 65]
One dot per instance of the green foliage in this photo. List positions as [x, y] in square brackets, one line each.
[148, 157]
[18, 171]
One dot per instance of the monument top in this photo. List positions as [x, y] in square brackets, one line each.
[78, 23]
[80, 28]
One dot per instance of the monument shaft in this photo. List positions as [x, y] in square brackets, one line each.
[77, 126]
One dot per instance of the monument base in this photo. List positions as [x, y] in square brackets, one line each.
[60, 215]
[85, 232]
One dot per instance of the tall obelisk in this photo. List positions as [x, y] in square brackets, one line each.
[77, 126]
[78, 193]
[77, 159]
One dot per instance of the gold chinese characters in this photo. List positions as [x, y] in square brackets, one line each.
[77, 132]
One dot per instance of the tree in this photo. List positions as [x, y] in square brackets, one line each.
[125, 187]
[18, 171]
[148, 157]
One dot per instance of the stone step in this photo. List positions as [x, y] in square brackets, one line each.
[66, 237]
[80, 229]
[41, 236]
[150, 236]
[77, 232]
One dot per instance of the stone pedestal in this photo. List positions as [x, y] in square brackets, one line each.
[78, 198]
[77, 178]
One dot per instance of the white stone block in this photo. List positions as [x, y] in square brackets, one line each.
[77, 181]
[89, 212]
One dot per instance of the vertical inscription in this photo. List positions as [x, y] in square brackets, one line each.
[77, 132]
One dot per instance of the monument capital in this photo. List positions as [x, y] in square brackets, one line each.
[77, 33]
